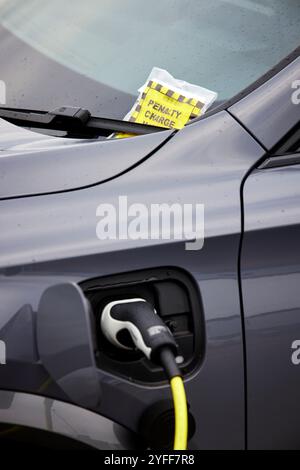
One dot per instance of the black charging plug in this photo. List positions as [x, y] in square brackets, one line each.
[147, 331]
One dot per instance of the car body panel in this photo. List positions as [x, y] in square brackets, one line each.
[269, 112]
[53, 164]
[52, 238]
[64, 419]
[270, 266]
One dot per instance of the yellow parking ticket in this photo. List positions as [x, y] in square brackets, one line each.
[163, 107]
[170, 106]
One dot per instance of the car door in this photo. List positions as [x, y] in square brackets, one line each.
[270, 269]
[270, 274]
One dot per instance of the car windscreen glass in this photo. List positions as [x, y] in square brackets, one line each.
[112, 45]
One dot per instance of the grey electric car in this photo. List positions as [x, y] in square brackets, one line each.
[69, 73]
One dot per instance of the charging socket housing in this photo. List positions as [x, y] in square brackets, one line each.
[176, 298]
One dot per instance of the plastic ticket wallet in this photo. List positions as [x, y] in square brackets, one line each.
[167, 102]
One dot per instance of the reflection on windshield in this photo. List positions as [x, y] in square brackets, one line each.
[222, 44]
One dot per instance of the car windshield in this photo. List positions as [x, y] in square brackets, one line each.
[223, 45]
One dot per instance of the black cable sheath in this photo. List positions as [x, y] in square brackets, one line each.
[168, 362]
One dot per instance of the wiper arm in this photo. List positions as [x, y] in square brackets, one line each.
[77, 122]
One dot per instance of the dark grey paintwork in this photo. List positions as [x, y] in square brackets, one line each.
[267, 117]
[32, 163]
[51, 239]
[24, 409]
[270, 281]
[66, 344]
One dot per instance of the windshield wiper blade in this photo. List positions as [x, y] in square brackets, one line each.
[77, 122]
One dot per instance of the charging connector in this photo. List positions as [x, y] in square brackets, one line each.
[153, 338]
[147, 330]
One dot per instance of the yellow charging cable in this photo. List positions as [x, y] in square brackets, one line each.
[157, 343]
[181, 413]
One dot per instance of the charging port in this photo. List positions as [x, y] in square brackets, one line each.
[175, 297]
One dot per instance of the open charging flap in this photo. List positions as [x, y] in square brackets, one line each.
[65, 343]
